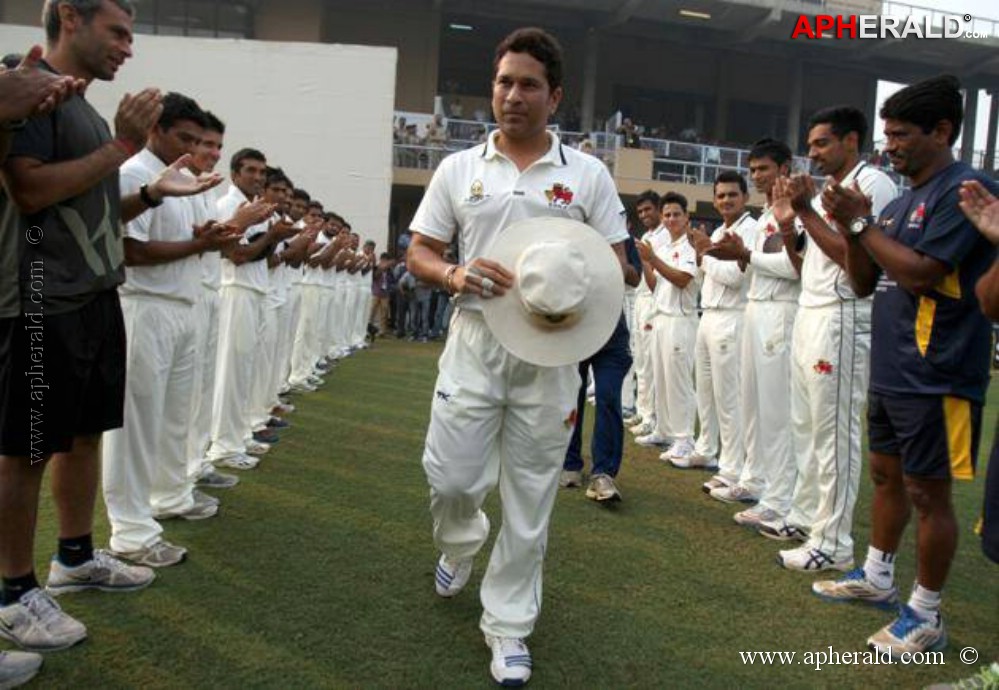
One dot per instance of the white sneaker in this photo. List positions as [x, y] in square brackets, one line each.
[303, 387]
[855, 587]
[694, 461]
[782, 530]
[37, 624]
[256, 447]
[733, 494]
[570, 478]
[602, 488]
[753, 517]
[643, 429]
[159, 554]
[511, 664]
[240, 461]
[103, 572]
[652, 439]
[909, 634]
[808, 560]
[681, 451]
[17, 668]
[451, 576]
[716, 482]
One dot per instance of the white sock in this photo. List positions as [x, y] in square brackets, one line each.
[879, 568]
[924, 602]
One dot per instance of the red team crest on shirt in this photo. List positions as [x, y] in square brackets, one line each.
[917, 217]
[559, 196]
[823, 367]
[771, 229]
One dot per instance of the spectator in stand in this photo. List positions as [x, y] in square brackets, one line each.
[632, 140]
[437, 131]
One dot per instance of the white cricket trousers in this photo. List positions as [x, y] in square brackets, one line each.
[240, 319]
[264, 366]
[145, 461]
[769, 471]
[717, 355]
[645, 401]
[305, 351]
[206, 341]
[287, 327]
[628, 393]
[496, 419]
[340, 311]
[673, 342]
[829, 372]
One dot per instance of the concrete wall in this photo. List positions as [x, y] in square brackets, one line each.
[25, 12]
[413, 27]
[322, 112]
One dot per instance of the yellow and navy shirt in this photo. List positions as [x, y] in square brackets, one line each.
[938, 343]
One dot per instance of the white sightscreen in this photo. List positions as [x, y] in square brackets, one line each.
[323, 112]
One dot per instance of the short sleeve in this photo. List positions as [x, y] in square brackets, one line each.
[36, 140]
[879, 189]
[949, 235]
[435, 217]
[131, 178]
[607, 214]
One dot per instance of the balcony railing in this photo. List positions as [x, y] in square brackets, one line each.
[672, 161]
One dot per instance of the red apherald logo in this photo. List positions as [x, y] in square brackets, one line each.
[881, 26]
[770, 229]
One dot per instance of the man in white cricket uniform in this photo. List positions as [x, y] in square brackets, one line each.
[719, 342]
[771, 264]
[206, 317]
[830, 355]
[242, 294]
[674, 325]
[495, 418]
[647, 208]
[145, 461]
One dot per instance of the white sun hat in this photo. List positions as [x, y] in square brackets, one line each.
[567, 295]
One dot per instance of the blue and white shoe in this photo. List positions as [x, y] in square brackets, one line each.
[511, 664]
[451, 576]
[909, 634]
[805, 559]
[855, 587]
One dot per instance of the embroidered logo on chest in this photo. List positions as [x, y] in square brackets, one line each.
[559, 196]
[476, 193]
[917, 217]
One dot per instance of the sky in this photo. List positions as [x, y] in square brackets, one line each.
[978, 8]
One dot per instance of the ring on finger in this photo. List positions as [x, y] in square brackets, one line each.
[488, 284]
[487, 292]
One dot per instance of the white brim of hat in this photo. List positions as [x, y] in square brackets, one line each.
[518, 333]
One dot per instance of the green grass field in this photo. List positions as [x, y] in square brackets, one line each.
[319, 573]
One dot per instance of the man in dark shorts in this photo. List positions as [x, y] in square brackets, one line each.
[25, 90]
[930, 353]
[62, 378]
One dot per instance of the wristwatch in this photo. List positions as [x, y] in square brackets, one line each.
[147, 199]
[859, 225]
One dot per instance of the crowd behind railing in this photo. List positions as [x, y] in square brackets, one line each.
[673, 160]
